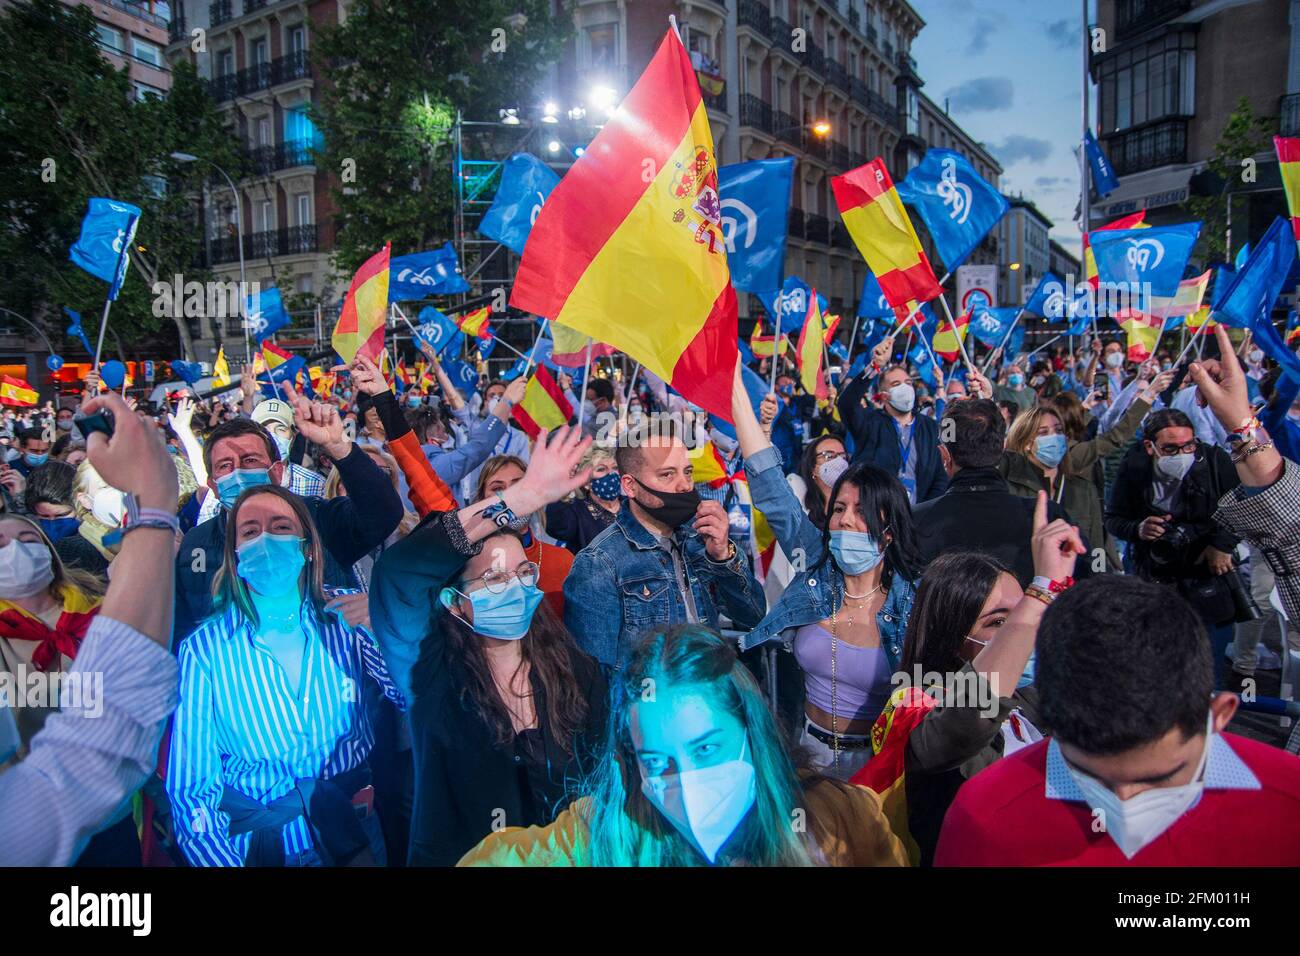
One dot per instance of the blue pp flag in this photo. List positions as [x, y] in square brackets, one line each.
[1103, 174]
[1249, 298]
[462, 375]
[107, 231]
[794, 303]
[1148, 262]
[526, 181]
[266, 314]
[873, 304]
[958, 207]
[436, 329]
[187, 372]
[1048, 298]
[924, 367]
[76, 331]
[756, 388]
[514, 371]
[422, 274]
[485, 347]
[755, 215]
[990, 325]
[286, 371]
[838, 350]
[1242, 255]
[1223, 276]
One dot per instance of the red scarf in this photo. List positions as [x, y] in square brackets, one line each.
[63, 639]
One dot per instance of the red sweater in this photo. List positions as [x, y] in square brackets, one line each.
[1002, 818]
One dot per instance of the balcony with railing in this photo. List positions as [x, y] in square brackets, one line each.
[1289, 115]
[781, 34]
[815, 145]
[817, 228]
[756, 16]
[715, 101]
[291, 241]
[1134, 16]
[840, 237]
[907, 65]
[290, 67]
[794, 226]
[858, 90]
[252, 79]
[855, 18]
[788, 129]
[223, 88]
[882, 108]
[814, 58]
[251, 6]
[176, 30]
[871, 34]
[840, 156]
[1160, 144]
[138, 10]
[889, 50]
[837, 76]
[219, 12]
[755, 112]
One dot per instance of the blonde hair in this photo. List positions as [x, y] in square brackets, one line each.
[491, 467]
[384, 460]
[1023, 431]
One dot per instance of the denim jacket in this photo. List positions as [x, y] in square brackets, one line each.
[813, 593]
[623, 584]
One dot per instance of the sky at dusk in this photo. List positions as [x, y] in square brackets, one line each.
[1011, 71]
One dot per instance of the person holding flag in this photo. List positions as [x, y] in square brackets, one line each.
[891, 435]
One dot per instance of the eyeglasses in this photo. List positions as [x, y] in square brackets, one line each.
[497, 580]
[1186, 449]
[824, 456]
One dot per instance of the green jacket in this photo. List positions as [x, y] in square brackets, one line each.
[1077, 494]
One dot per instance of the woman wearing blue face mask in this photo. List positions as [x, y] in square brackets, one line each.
[268, 763]
[697, 773]
[577, 520]
[844, 612]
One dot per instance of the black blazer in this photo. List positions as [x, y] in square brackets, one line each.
[875, 440]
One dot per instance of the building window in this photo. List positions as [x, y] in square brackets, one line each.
[297, 38]
[146, 52]
[144, 91]
[303, 285]
[259, 50]
[225, 63]
[265, 216]
[302, 203]
[264, 131]
[599, 47]
[1151, 82]
[109, 38]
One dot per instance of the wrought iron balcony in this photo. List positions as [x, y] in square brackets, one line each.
[296, 152]
[756, 16]
[1133, 16]
[253, 78]
[219, 12]
[1161, 144]
[755, 112]
[796, 222]
[840, 237]
[252, 5]
[223, 88]
[871, 34]
[290, 67]
[855, 18]
[814, 59]
[841, 157]
[817, 228]
[788, 129]
[881, 107]
[781, 34]
[291, 241]
[858, 90]
[1289, 115]
[176, 30]
[837, 76]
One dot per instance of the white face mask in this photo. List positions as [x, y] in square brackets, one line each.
[108, 507]
[830, 471]
[25, 569]
[902, 396]
[1137, 821]
[492, 403]
[722, 442]
[1256, 356]
[1174, 466]
[1114, 359]
[708, 804]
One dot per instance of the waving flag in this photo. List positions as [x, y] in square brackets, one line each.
[220, 368]
[543, 405]
[15, 391]
[1134, 221]
[1103, 174]
[187, 372]
[925, 369]
[526, 182]
[463, 375]
[436, 329]
[764, 346]
[956, 205]
[794, 294]
[755, 216]
[1048, 298]
[266, 313]
[1149, 263]
[642, 265]
[1186, 301]
[1288, 158]
[872, 304]
[1143, 331]
[990, 325]
[422, 274]
[1292, 329]
[950, 336]
[875, 218]
[77, 332]
[103, 248]
[476, 323]
[1201, 317]
[360, 327]
[808, 354]
[1255, 287]
[570, 347]
[281, 366]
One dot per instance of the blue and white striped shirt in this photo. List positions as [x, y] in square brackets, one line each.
[239, 724]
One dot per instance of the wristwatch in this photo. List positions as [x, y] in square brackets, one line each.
[731, 553]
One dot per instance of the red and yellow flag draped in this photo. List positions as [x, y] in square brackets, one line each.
[809, 352]
[1288, 158]
[629, 248]
[875, 218]
[15, 391]
[360, 327]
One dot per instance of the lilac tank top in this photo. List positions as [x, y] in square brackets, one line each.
[861, 674]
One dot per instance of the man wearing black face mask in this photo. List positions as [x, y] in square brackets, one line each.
[665, 560]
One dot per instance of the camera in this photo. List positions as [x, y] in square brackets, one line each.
[1244, 605]
[1170, 546]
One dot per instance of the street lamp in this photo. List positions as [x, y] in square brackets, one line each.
[239, 239]
[821, 128]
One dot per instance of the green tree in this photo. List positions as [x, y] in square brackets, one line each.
[71, 127]
[1244, 135]
[398, 71]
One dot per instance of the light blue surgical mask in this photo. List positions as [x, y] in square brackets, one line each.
[505, 616]
[283, 444]
[231, 486]
[269, 563]
[36, 460]
[1015, 380]
[1031, 668]
[856, 552]
[1050, 449]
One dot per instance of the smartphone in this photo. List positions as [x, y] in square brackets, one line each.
[98, 422]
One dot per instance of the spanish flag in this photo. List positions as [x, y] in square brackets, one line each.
[875, 218]
[544, 405]
[628, 248]
[1288, 158]
[570, 347]
[832, 323]
[1201, 317]
[220, 368]
[476, 323]
[949, 338]
[1186, 301]
[273, 356]
[1143, 333]
[809, 352]
[361, 323]
[764, 346]
[14, 391]
[1133, 221]
[708, 466]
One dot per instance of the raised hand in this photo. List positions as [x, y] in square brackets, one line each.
[1055, 544]
[318, 422]
[1222, 383]
[184, 414]
[1158, 386]
[366, 377]
[134, 459]
[553, 468]
[881, 353]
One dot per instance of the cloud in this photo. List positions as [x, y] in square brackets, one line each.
[980, 31]
[1017, 147]
[1063, 33]
[985, 94]
[1043, 182]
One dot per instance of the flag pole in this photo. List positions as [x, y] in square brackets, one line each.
[776, 333]
[1003, 344]
[961, 343]
[853, 337]
[631, 385]
[586, 375]
[1192, 341]
[533, 352]
[1054, 338]
[103, 324]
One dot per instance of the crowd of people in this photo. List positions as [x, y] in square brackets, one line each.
[970, 619]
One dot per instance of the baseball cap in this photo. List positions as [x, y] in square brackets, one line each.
[272, 409]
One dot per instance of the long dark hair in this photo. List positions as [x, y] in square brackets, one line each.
[546, 649]
[948, 603]
[880, 494]
[813, 499]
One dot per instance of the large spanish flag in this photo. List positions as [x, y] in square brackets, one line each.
[15, 391]
[360, 327]
[1288, 158]
[543, 406]
[809, 352]
[875, 218]
[629, 248]
[1133, 221]
[1143, 333]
